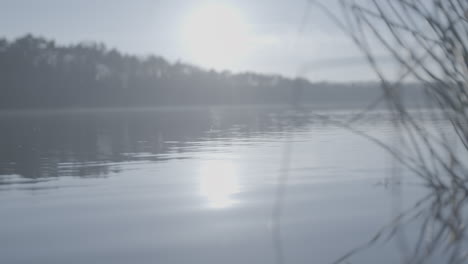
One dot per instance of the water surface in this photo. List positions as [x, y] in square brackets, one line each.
[192, 186]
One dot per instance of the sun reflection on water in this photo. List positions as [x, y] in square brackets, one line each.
[218, 182]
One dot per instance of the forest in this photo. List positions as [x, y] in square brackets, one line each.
[38, 73]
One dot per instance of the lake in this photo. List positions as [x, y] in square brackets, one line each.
[199, 185]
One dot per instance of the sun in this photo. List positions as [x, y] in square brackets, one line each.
[216, 36]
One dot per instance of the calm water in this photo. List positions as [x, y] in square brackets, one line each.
[191, 186]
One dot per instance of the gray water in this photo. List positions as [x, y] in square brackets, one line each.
[193, 186]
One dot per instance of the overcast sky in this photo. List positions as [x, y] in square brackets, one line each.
[266, 32]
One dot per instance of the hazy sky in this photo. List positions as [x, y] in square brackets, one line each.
[238, 35]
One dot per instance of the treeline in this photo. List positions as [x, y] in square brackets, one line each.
[38, 73]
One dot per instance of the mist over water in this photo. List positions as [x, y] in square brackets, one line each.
[233, 132]
[193, 185]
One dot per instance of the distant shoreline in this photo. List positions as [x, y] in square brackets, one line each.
[36, 73]
[180, 108]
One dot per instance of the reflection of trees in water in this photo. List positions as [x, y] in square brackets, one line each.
[93, 144]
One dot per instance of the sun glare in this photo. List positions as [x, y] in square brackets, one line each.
[216, 36]
[218, 182]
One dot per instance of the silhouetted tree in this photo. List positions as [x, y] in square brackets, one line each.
[37, 73]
